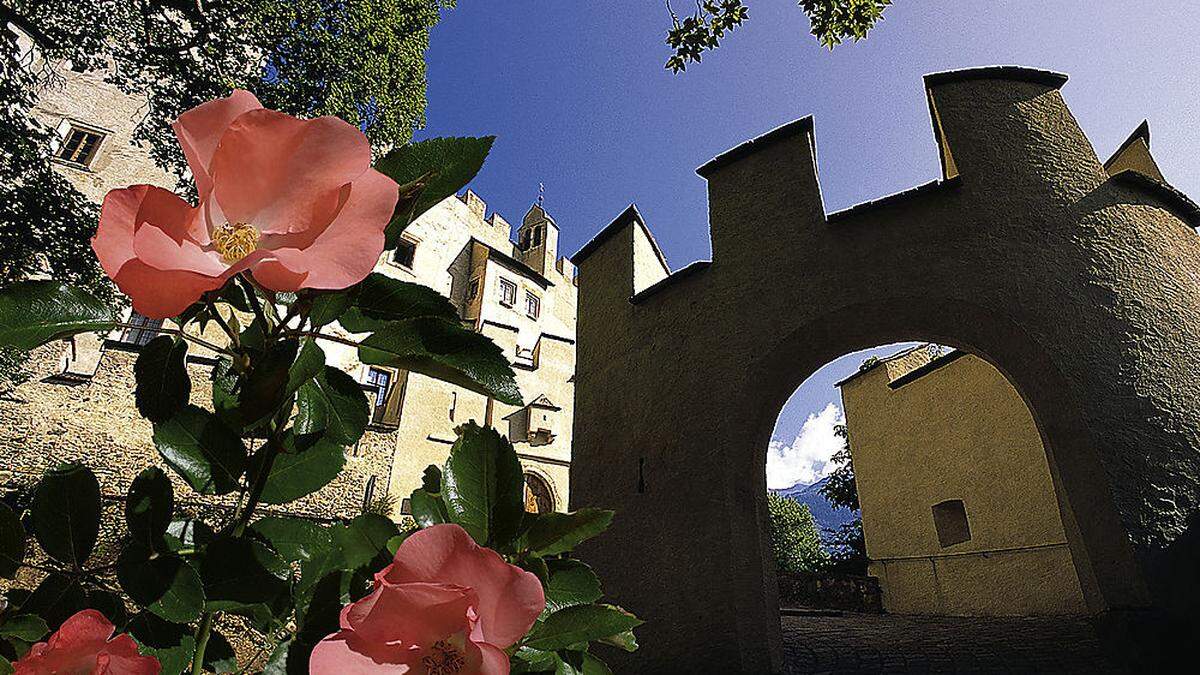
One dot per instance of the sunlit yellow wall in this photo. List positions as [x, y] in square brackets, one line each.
[956, 429]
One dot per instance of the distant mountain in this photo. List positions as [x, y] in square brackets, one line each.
[828, 516]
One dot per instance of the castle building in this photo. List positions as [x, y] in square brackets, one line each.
[959, 510]
[79, 404]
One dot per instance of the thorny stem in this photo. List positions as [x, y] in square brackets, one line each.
[324, 336]
[233, 336]
[252, 294]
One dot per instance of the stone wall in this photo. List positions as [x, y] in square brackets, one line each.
[50, 420]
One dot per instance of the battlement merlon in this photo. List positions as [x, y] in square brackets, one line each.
[623, 259]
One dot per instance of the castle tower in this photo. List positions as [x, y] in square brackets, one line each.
[537, 240]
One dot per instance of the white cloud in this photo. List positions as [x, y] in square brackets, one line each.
[806, 459]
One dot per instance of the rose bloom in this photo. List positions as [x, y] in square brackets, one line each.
[445, 606]
[293, 202]
[81, 646]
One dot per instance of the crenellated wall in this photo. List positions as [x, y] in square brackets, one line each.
[1078, 286]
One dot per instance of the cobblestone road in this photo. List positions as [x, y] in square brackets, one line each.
[870, 643]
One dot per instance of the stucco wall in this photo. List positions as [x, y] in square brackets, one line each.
[957, 432]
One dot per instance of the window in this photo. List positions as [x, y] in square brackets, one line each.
[141, 330]
[405, 254]
[79, 146]
[473, 289]
[950, 521]
[382, 379]
[533, 305]
[508, 293]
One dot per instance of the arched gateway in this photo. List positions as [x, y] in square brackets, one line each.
[1082, 287]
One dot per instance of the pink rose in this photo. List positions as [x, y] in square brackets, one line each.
[445, 606]
[81, 646]
[293, 202]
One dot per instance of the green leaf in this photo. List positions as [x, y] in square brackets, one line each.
[431, 480]
[56, 599]
[164, 584]
[109, 604]
[554, 533]
[201, 449]
[626, 641]
[309, 363]
[149, 505]
[171, 643]
[27, 627]
[381, 299]
[335, 405]
[328, 307]
[33, 313]
[265, 387]
[439, 166]
[219, 656]
[188, 533]
[484, 487]
[571, 583]
[444, 350]
[296, 474]
[428, 509]
[578, 624]
[294, 538]
[163, 385]
[363, 539]
[12, 542]
[66, 513]
[239, 573]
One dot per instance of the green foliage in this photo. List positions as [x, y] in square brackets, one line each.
[163, 385]
[12, 542]
[840, 489]
[483, 486]
[66, 514]
[580, 623]
[164, 584]
[334, 406]
[202, 450]
[33, 313]
[298, 472]
[794, 536]
[149, 506]
[554, 533]
[833, 22]
[428, 172]
[446, 351]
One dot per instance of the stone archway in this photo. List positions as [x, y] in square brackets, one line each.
[1079, 286]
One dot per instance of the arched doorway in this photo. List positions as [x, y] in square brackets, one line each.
[925, 475]
[1078, 286]
[539, 498]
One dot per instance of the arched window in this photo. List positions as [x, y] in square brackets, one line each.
[538, 498]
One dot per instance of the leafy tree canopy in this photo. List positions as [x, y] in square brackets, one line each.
[794, 536]
[833, 22]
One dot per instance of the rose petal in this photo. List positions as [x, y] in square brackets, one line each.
[346, 251]
[510, 599]
[283, 174]
[199, 130]
[494, 660]
[343, 654]
[128, 209]
[159, 294]
[412, 614]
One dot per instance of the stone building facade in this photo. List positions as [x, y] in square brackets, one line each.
[79, 404]
[959, 509]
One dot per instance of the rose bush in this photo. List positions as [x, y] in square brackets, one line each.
[82, 646]
[290, 221]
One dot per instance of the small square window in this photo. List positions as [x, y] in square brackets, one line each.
[473, 289]
[533, 305]
[950, 521]
[405, 254]
[79, 146]
[508, 293]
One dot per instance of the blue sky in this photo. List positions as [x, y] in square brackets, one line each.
[579, 100]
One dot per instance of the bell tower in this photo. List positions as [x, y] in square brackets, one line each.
[537, 239]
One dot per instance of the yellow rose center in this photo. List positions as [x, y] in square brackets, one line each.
[235, 241]
[443, 659]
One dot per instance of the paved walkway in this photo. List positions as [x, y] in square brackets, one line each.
[872, 643]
